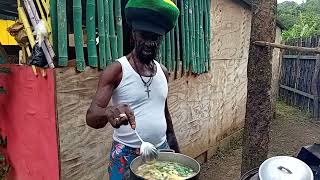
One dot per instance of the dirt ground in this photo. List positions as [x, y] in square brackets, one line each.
[290, 130]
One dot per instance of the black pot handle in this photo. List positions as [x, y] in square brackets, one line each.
[285, 170]
[166, 150]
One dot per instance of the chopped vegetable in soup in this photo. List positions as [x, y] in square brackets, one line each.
[162, 170]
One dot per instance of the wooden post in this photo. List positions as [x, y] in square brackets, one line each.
[297, 79]
[292, 48]
[314, 89]
[294, 77]
[259, 100]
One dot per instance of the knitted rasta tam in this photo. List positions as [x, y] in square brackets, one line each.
[157, 16]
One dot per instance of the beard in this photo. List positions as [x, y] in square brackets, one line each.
[147, 51]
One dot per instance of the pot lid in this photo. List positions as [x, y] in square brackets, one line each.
[284, 168]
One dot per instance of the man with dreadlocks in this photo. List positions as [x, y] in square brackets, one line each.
[138, 88]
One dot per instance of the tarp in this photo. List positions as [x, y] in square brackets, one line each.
[27, 118]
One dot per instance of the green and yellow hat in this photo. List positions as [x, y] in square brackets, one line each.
[158, 16]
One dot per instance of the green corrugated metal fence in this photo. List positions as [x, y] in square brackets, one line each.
[187, 46]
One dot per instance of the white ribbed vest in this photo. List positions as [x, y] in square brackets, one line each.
[149, 112]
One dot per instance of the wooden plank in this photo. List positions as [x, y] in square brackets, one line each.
[288, 74]
[287, 79]
[302, 57]
[293, 48]
[292, 81]
[297, 91]
[305, 84]
[297, 79]
[314, 89]
[310, 71]
[300, 85]
[283, 79]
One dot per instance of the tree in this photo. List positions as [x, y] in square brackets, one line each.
[308, 24]
[287, 13]
[259, 104]
[312, 6]
[301, 20]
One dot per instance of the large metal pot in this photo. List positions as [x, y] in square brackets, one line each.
[284, 168]
[251, 175]
[164, 155]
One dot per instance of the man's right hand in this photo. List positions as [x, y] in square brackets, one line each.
[120, 115]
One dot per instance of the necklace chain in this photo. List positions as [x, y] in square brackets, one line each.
[148, 83]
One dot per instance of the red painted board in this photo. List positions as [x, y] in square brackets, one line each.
[27, 118]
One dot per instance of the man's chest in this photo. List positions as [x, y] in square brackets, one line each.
[134, 90]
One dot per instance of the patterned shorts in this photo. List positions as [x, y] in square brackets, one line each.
[120, 158]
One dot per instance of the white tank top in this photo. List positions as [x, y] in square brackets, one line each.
[149, 112]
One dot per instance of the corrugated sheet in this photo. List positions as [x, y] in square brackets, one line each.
[8, 9]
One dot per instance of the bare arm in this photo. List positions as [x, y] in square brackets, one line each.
[171, 137]
[99, 113]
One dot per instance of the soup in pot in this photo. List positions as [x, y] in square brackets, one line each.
[162, 170]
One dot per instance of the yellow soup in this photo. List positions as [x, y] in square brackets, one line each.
[162, 170]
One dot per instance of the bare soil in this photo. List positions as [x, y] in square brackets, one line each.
[290, 130]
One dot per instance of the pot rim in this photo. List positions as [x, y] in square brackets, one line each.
[307, 168]
[179, 154]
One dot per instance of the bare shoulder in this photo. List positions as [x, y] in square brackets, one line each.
[111, 75]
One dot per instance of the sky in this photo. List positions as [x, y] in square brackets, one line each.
[298, 1]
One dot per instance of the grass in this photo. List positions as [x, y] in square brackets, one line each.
[286, 111]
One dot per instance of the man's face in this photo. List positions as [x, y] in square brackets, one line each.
[147, 45]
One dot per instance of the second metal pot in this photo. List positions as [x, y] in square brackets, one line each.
[284, 168]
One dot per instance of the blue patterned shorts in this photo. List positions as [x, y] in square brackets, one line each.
[120, 158]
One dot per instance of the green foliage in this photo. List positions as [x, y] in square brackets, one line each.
[287, 13]
[312, 6]
[307, 25]
[300, 20]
